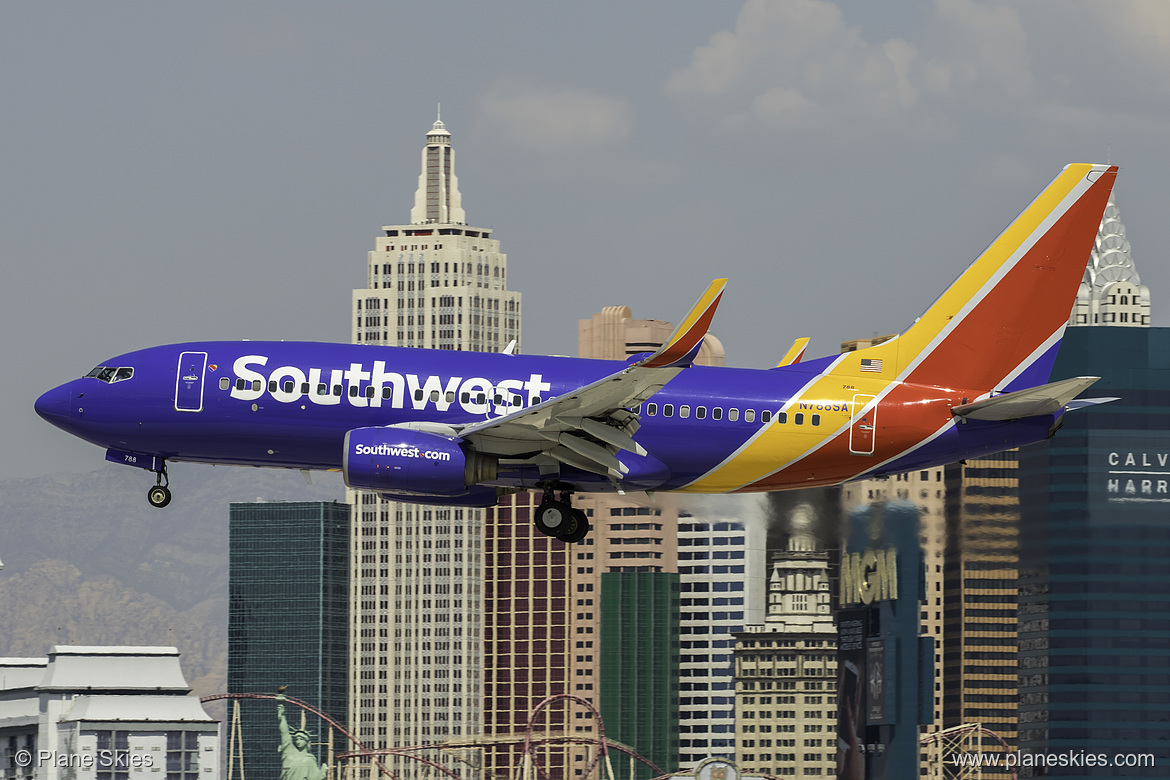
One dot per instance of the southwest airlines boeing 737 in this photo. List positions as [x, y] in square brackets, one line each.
[968, 378]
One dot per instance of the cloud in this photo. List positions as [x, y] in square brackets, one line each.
[553, 119]
[798, 63]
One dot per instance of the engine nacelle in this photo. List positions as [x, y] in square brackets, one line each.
[413, 462]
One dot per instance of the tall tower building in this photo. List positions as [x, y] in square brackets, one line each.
[1095, 564]
[437, 283]
[980, 590]
[288, 615]
[721, 579]
[625, 581]
[785, 668]
[1111, 292]
[417, 598]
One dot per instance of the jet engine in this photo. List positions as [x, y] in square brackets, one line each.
[413, 462]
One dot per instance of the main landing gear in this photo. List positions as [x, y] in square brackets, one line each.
[160, 495]
[558, 518]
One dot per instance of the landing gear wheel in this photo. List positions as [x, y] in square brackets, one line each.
[554, 518]
[159, 496]
[578, 533]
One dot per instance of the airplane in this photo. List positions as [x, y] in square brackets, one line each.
[968, 378]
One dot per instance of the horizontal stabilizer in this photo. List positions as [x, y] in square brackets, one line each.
[1046, 399]
[1084, 403]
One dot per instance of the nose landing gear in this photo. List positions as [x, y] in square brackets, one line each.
[558, 518]
[160, 495]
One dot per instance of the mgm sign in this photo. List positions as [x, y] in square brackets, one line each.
[869, 577]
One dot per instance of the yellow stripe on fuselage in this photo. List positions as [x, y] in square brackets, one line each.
[778, 445]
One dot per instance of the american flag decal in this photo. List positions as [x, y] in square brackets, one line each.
[868, 364]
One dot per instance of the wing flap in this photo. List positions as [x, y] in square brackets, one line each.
[1045, 399]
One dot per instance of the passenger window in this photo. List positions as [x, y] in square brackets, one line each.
[465, 398]
[240, 384]
[717, 413]
[353, 391]
[224, 383]
[749, 415]
[782, 417]
[799, 418]
[322, 389]
[517, 401]
[816, 419]
[450, 396]
[371, 391]
[481, 398]
[733, 414]
[386, 393]
[272, 385]
[766, 415]
[288, 386]
[668, 410]
[304, 388]
[684, 411]
[534, 400]
[256, 385]
[434, 396]
[701, 412]
[651, 409]
[337, 390]
[418, 394]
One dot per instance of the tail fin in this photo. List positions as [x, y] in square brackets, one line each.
[1000, 323]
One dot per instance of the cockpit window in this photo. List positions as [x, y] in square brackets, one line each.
[111, 374]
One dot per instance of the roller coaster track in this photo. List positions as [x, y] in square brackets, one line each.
[528, 738]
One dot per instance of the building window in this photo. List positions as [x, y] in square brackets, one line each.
[114, 746]
[182, 755]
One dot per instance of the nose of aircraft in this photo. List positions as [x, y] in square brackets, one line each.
[54, 405]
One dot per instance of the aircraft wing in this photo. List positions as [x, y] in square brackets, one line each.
[1046, 399]
[586, 427]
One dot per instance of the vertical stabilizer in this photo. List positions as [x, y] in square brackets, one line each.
[999, 325]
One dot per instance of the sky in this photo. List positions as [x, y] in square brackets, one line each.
[191, 171]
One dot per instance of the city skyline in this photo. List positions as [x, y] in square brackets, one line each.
[187, 200]
[896, 280]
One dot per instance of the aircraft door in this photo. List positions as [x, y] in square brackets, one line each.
[189, 382]
[862, 425]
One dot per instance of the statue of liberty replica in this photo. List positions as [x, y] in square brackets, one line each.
[297, 762]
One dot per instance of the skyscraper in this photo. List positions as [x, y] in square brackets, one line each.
[979, 582]
[1094, 587]
[721, 583]
[417, 632]
[625, 580]
[786, 702]
[1112, 293]
[288, 615]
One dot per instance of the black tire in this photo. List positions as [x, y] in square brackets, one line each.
[554, 518]
[578, 533]
[159, 496]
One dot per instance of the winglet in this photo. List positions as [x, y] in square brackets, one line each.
[680, 349]
[794, 354]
